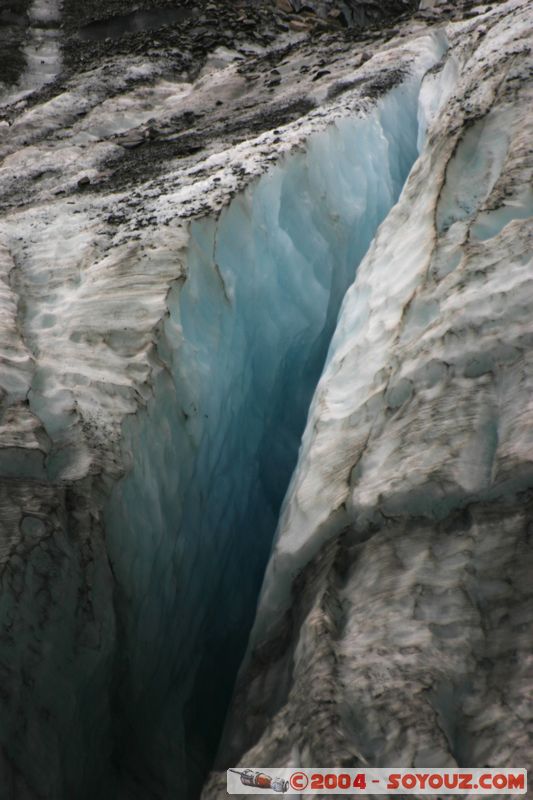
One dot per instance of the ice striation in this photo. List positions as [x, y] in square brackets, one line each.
[174, 251]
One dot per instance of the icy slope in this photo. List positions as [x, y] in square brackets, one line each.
[395, 622]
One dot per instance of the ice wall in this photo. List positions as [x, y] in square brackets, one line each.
[190, 527]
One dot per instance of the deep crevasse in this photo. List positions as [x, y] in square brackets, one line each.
[190, 528]
[394, 622]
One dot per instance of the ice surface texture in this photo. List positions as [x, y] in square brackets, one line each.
[394, 625]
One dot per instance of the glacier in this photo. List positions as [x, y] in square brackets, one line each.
[175, 250]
